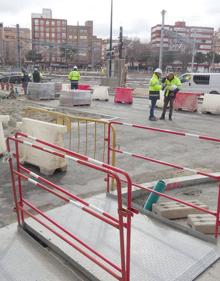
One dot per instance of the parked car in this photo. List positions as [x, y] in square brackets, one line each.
[205, 83]
[14, 78]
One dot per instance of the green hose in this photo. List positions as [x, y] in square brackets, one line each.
[160, 186]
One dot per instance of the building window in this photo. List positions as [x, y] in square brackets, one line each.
[41, 28]
[70, 36]
[63, 23]
[63, 35]
[41, 22]
[201, 79]
[47, 29]
[64, 29]
[36, 21]
[58, 29]
[47, 34]
[52, 22]
[83, 37]
[53, 35]
[36, 34]
[47, 22]
[58, 23]
[36, 28]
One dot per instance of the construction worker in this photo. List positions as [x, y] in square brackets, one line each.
[36, 75]
[154, 92]
[25, 80]
[74, 77]
[172, 85]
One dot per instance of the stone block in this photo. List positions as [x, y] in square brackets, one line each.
[41, 91]
[100, 93]
[211, 104]
[204, 223]
[175, 210]
[2, 140]
[75, 97]
[49, 132]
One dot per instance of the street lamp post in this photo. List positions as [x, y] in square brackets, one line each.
[110, 41]
[161, 40]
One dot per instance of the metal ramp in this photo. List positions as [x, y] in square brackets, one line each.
[23, 259]
[158, 252]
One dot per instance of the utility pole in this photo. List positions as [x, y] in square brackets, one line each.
[110, 41]
[193, 54]
[18, 46]
[161, 39]
[120, 42]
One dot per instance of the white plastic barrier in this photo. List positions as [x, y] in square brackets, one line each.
[211, 104]
[4, 119]
[160, 102]
[49, 132]
[2, 140]
[140, 92]
[100, 93]
[66, 87]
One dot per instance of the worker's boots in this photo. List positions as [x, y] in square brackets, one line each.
[162, 117]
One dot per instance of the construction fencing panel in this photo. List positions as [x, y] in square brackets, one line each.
[144, 157]
[88, 136]
[27, 208]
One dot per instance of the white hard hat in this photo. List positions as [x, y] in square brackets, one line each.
[158, 70]
[75, 67]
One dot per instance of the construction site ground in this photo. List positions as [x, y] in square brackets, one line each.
[185, 151]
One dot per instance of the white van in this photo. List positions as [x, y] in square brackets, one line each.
[206, 83]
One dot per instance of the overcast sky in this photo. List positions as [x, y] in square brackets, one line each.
[136, 17]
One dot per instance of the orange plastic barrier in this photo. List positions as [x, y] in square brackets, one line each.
[187, 101]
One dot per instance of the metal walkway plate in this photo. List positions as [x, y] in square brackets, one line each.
[158, 252]
[23, 259]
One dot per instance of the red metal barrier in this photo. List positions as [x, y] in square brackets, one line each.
[122, 222]
[187, 101]
[84, 87]
[175, 166]
[123, 95]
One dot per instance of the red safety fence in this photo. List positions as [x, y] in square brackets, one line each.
[175, 166]
[123, 95]
[122, 222]
[187, 101]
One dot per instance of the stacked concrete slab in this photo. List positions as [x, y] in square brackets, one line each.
[49, 132]
[41, 91]
[75, 97]
[175, 210]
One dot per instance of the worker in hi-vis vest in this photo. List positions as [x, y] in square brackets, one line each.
[154, 92]
[171, 86]
[74, 77]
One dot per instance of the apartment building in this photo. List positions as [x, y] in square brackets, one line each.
[202, 36]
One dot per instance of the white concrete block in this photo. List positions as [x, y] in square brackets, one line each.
[2, 140]
[49, 132]
[140, 92]
[204, 223]
[4, 119]
[100, 93]
[211, 103]
[160, 102]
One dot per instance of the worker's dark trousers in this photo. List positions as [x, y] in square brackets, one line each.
[25, 87]
[74, 85]
[153, 105]
[168, 100]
